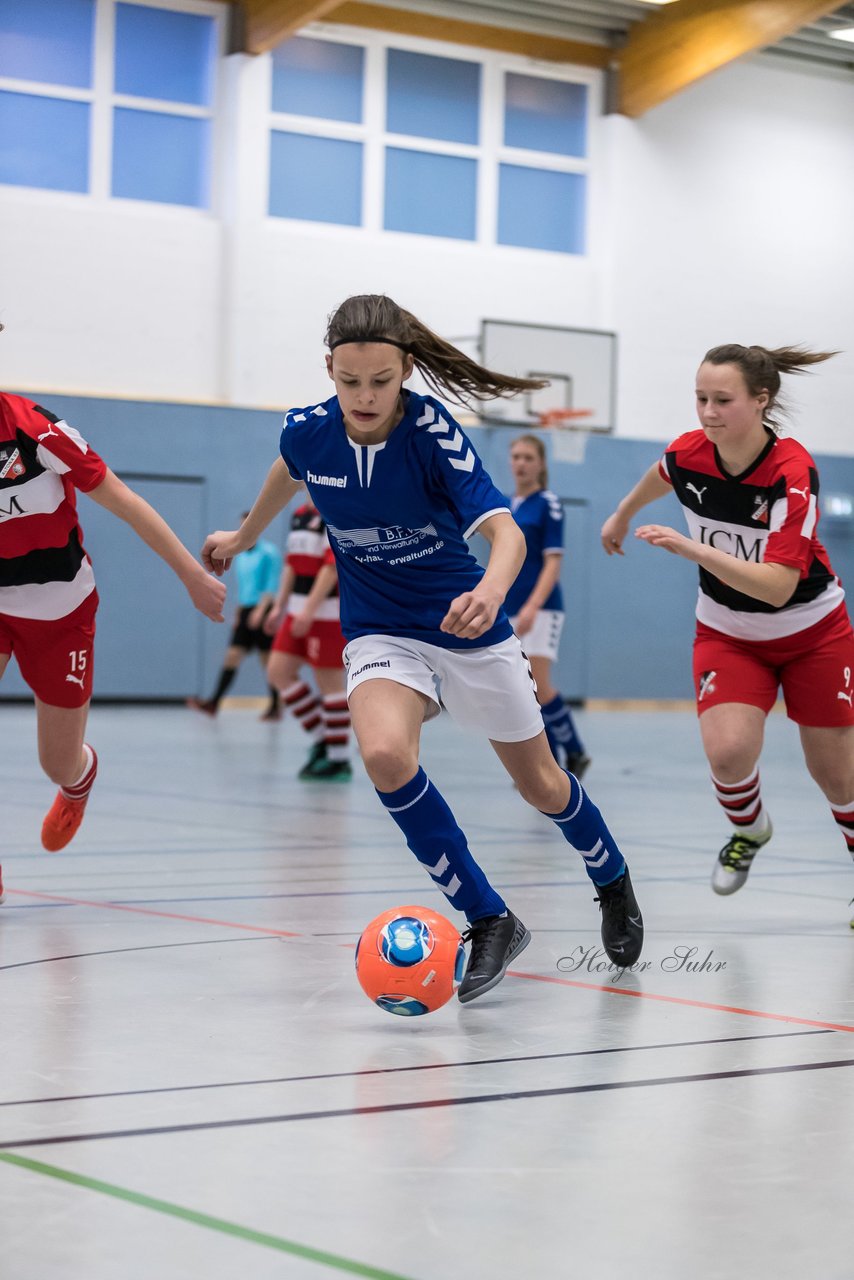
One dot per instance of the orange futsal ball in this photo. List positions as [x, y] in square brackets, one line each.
[410, 960]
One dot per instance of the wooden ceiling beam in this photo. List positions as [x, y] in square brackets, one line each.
[429, 27]
[679, 44]
[266, 23]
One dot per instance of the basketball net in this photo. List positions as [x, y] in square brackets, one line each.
[570, 440]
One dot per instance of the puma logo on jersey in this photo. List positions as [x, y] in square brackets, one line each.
[699, 492]
[803, 493]
[50, 432]
[842, 696]
[74, 680]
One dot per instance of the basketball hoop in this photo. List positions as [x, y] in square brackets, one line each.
[570, 438]
[562, 417]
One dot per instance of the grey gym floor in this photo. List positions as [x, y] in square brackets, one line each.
[193, 1084]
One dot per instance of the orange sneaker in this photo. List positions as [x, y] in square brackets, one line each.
[62, 821]
[66, 813]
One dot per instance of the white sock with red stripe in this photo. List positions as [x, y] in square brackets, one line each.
[80, 789]
[844, 815]
[336, 726]
[304, 704]
[742, 803]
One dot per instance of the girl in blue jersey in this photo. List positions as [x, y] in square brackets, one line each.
[401, 488]
[535, 601]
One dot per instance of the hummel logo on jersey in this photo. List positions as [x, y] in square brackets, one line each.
[335, 482]
[803, 493]
[13, 465]
[699, 492]
[707, 684]
[760, 509]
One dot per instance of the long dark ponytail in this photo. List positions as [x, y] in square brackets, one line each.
[761, 368]
[373, 317]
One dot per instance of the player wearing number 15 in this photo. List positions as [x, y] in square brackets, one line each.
[47, 588]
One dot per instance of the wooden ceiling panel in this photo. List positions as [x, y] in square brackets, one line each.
[681, 43]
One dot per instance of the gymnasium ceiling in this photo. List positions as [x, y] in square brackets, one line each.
[652, 50]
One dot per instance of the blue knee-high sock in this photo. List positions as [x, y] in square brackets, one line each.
[583, 826]
[440, 846]
[560, 727]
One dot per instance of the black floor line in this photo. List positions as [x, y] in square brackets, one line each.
[426, 1105]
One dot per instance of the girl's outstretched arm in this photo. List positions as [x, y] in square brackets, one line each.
[616, 528]
[221, 547]
[206, 593]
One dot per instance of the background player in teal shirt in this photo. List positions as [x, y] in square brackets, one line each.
[258, 569]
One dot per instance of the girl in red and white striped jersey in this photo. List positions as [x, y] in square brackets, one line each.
[305, 620]
[770, 611]
[48, 598]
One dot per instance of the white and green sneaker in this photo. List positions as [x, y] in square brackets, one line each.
[734, 860]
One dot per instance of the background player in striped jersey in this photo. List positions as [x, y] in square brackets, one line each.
[535, 601]
[47, 587]
[770, 610]
[401, 490]
[306, 622]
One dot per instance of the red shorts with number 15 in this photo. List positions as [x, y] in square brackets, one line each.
[54, 655]
[814, 668]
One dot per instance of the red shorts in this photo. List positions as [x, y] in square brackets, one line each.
[815, 668]
[55, 656]
[322, 646]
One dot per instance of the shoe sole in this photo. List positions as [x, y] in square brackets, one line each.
[735, 880]
[493, 982]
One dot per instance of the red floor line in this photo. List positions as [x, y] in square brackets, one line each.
[694, 1004]
[533, 977]
[148, 911]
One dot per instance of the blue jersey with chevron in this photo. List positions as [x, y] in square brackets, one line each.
[397, 516]
[540, 517]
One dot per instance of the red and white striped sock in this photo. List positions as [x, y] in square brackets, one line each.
[336, 726]
[80, 789]
[844, 816]
[303, 703]
[742, 804]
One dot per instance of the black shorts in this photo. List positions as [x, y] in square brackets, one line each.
[249, 638]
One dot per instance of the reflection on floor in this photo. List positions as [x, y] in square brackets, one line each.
[194, 1085]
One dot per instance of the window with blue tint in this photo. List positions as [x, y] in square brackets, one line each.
[319, 179]
[541, 209]
[431, 195]
[545, 115]
[44, 142]
[431, 97]
[319, 78]
[161, 157]
[164, 54]
[47, 40]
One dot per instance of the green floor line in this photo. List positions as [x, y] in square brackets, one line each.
[202, 1219]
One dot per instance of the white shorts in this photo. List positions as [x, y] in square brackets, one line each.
[543, 639]
[491, 690]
